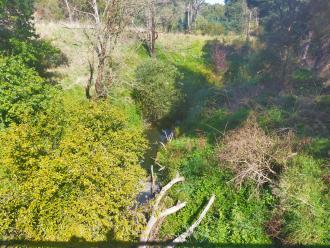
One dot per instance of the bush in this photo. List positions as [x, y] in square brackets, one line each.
[37, 54]
[207, 27]
[306, 82]
[253, 155]
[75, 172]
[156, 89]
[22, 92]
[304, 198]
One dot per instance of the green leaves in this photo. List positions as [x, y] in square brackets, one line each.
[74, 173]
[16, 19]
[304, 198]
[236, 217]
[22, 92]
[156, 89]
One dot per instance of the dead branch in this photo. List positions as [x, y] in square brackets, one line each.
[254, 155]
[183, 237]
[156, 216]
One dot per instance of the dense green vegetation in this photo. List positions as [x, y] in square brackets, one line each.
[240, 109]
[156, 89]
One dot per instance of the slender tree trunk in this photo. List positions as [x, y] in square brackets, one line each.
[69, 10]
[307, 45]
[90, 80]
[99, 82]
[249, 25]
[153, 32]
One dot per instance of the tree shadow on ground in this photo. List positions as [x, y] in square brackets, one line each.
[252, 80]
[77, 243]
[204, 110]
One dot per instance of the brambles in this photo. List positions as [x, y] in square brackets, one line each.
[253, 155]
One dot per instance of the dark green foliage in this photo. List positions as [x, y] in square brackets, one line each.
[320, 148]
[304, 199]
[156, 89]
[272, 118]
[235, 11]
[75, 172]
[18, 38]
[247, 65]
[211, 20]
[37, 54]
[284, 21]
[211, 28]
[306, 82]
[323, 102]
[16, 19]
[289, 30]
[213, 12]
[23, 93]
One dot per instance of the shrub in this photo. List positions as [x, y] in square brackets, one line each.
[207, 27]
[320, 147]
[37, 54]
[22, 92]
[75, 172]
[253, 155]
[156, 89]
[304, 198]
[323, 102]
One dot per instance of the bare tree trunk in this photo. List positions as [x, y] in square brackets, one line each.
[90, 80]
[153, 184]
[69, 10]
[307, 45]
[187, 16]
[99, 82]
[153, 35]
[106, 25]
[249, 25]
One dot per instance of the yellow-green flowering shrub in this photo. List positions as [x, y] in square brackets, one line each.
[74, 172]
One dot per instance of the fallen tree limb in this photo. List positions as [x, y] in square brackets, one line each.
[165, 189]
[183, 237]
[155, 216]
